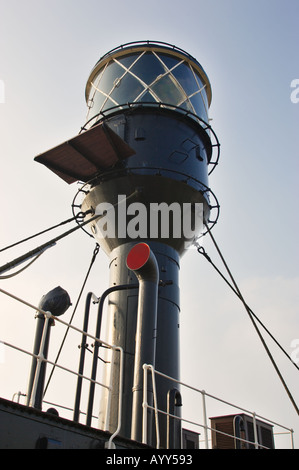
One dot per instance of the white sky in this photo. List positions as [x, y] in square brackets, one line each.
[249, 51]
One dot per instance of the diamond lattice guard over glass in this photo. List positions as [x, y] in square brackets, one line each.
[155, 74]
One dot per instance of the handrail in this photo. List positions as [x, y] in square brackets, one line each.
[145, 405]
[159, 105]
[147, 43]
[40, 358]
[149, 368]
[110, 442]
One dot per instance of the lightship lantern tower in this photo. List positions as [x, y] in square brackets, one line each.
[145, 154]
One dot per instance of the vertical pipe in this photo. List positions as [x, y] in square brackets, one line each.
[238, 424]
[174, 428]
[97, 345]
[142, 262]
[38, 366]
[82, 358]
[167, 359]
[122, 321]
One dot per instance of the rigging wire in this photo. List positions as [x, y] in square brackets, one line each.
[253, 322]
[96, 250]
[94, 255]
[46, 245]
[80, 215]
[37, 250]
[8, 276]
[202, 251]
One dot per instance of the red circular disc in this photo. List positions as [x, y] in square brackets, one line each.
[138, 256]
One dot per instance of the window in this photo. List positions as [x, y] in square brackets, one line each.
[148, 76]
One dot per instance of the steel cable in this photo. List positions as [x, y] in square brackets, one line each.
[94, 255]
[64, 222]
[237, 291]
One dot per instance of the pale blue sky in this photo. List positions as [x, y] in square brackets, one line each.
[249, 50]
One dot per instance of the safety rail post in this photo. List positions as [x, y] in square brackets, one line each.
[107, 417]
[49, 316]
[40, 358]
[155, 407]
[19, 395]
[256, 440]
[204, 409]
[292, 438]
[120, 392]
[144, 404]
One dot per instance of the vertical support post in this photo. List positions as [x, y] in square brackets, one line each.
[256, 441]
[54, 303]
[146, 369]
[107, 418]
[120, 397]
[205, 418]
[292, 439]
[38, 367]
[156, 407]
[144, 405]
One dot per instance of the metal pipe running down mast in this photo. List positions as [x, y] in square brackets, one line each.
[142, 261]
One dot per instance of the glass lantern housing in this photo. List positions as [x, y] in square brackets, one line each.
[148, 74]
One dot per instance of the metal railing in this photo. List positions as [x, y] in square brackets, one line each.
[149, 369]
[41, 359]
